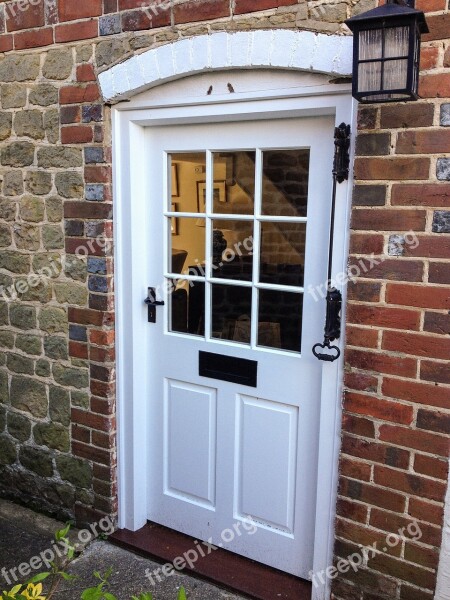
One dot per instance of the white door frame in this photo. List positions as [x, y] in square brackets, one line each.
[172, 106]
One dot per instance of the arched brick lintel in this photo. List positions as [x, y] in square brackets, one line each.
[279, 49]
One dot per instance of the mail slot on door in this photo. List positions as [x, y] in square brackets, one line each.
[228, 368]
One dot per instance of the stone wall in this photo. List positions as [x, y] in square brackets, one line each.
[57, 370]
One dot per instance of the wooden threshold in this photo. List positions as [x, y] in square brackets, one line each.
[221, 567]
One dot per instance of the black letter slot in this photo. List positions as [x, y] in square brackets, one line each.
[228, 368]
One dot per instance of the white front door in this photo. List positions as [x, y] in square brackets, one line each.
[237, 235]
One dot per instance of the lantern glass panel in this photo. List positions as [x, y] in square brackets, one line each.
[395, 74]
[370, 44]
[396, 42]
[369, 76]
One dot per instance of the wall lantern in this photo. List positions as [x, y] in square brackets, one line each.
[386, 52]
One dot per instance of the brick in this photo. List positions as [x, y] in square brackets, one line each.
[414, 485]
[428, 246]
[6, 42]
[388, 219]
[102, 389]
[364, 291]
[361, 382]
[426, 511]
[82, 246]
[441, 219]
[101, 337]
[429, 57]
[33, 39]
[82, 30]
[414, 439]
[439, 272]
[394, 168]
[439, 26]
[103, 406]
[78, 350]
[437, 323]
[68, 10]
[385, 410]
[351, 510]
[418, 114]
[76, 134]
[367, 117]
[423, 142]
[369, 195]
[70, 114]
[200, 10]
[434, 371]
[102, 354]
[403, 571]
[373, 144]
[426, 557]
[97, 455]
[354, 469]
[409, 593]
[358, 425]
[87, 210]
[392, 523]
[417, 392]
[85, 316]
[81, 434]
[104, 473]
[367, 581]
[381, 362]
[92, 420]
[103, 440]
[18, 18]
[416, 295]
[381, 316]
[92, 113]
[85, 73]
[431, 5]
[109, 6]
[362, 337]
[366, 243]
[138, 20]
[249, 6]
[74, 228]
[435, 86]
[372, 494]
[77, 94]
[416, 344]
[389, 268]
[98, 174]
[430, 466]
[374, 452]
[363, 535]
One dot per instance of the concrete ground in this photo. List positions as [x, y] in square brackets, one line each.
[25, 534]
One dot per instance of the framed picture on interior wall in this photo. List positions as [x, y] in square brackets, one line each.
[174, 220]
[175, 190]
[219, 193]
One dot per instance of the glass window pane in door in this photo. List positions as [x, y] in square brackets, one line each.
[280, 320]
[186, 306]
[187, 171]
[234, 182]
[232, 249]
[285, 182]
[187, 235]
[231, 313]
[282, 253]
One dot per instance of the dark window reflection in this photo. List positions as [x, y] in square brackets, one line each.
[231, 313]
[285, 182]
[283, 253]
[280, 320]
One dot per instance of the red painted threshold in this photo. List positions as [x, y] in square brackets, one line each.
[224, 568]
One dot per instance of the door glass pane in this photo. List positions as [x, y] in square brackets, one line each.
[231, 313]
[187, 244]
[282, 253]
[234, 182]
[232, 249]
[280, 320]
[186, 172]
[285, 182]
[186, 306]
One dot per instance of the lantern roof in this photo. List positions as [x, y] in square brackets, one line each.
[390, 12]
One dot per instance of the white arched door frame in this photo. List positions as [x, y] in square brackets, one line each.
[160, 91]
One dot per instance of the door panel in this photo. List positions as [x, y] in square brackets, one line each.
[238, 217]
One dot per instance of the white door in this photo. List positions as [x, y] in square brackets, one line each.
[237, 235]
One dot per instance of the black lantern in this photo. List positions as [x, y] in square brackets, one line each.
[386, 52]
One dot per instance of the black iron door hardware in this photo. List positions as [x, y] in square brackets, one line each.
[152, 303]
[332, 330]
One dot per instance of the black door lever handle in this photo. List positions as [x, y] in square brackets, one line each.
[152, 303]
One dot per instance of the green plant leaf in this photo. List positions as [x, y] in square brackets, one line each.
[67, 576]
[109, 596]
[92, 594]
[182, 594]
[37, 578]
[62, 533]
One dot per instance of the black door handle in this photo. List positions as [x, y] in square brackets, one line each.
[152, 303]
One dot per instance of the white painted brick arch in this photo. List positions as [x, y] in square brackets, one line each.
[279, 48]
